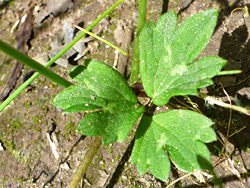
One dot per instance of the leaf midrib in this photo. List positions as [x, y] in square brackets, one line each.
[109, 88]
[179, 141]
[170, 57]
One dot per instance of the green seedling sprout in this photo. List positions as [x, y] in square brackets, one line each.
[115, 109]
[168, 68]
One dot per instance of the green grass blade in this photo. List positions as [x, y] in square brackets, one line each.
[105, 41]
[18, 91]
[21, 57]
[229, 72]
[31, 79]
[83, 34]
[102, 40]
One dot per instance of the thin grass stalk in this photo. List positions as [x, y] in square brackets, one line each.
[32, 78]
[26, 60]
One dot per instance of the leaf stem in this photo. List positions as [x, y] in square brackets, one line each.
[81, 169]
[175, 181]
[229, 72]
[212, 100]
[141, 21]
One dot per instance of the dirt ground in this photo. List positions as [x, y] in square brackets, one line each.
[30, 125]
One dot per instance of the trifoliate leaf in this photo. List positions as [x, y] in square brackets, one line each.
[106, 93]
[180, 132]
[166, 56]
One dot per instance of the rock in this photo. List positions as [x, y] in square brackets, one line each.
[58, 6]
[68, 31]
[119, 31]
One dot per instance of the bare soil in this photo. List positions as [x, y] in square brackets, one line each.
[30, 124]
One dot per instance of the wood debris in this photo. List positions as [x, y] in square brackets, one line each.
[22, 38]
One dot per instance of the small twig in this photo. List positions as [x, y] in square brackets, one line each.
[195, 106]
[220, 140]
[230, 118]
[122, 62]
[212, 100]
[22, 38]
[175, 181]
[53, 145]
[233, 169]
[236, 132]
[189, 107]
[116, 59]
[105, 41]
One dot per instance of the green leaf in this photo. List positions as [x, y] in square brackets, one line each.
[167, 55]
[182, 133]
[147, 153]
[106, 93]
